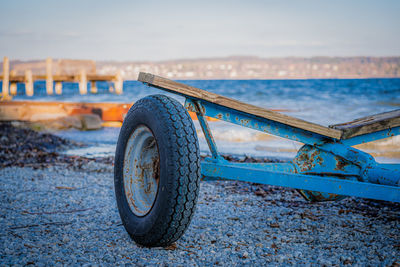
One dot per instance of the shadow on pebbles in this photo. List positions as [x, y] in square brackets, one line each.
[60, 215]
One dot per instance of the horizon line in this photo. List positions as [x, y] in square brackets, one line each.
[212, 58]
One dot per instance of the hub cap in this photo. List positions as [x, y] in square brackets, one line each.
[141, 171]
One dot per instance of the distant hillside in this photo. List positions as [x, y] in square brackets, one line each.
[240, 67]
[59, 66]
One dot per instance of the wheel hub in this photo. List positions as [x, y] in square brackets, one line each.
[141, 171]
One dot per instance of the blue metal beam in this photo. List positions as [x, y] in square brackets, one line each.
[371, 171]
[257, 123]
[391, 166]
[208, 135]
[234, 171]
[285, 174]
[272, 167]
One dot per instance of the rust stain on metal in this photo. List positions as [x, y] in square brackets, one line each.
[203, 109]
[340, 164]
[315, 196]
[314, 155]
[307, 162]
[302, 161]
[156, 168]
[199, 108]
[244, 121]
[191, 107]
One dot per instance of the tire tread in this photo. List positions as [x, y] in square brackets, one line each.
[181, 207]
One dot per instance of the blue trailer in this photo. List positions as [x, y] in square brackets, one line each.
[158, 167]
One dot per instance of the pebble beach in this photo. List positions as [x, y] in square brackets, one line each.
[63, 212]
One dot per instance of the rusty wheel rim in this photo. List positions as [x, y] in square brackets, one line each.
[141, 171]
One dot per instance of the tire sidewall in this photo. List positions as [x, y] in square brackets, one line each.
[152, 118]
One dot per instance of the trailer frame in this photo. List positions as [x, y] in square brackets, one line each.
[327, 167]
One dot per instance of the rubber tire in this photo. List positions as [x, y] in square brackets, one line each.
[179, 172]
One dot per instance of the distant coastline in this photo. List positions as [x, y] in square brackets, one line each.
[235, 67]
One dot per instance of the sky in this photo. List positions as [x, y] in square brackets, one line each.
[164, 30]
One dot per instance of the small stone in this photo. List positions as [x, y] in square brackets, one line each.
[91, 121]
[65, 239]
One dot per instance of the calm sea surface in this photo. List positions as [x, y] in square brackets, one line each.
[321, 101]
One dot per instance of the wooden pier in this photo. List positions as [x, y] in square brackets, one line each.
[10, 80]
[112, 114]
[37, 110]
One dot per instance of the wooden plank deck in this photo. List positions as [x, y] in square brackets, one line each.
[186, 90]
[37, 110]
[62, 77]
[369, 124]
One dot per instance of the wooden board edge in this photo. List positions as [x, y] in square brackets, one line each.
[194, 92]
[370, 128]
[366, 125]
[146, 77]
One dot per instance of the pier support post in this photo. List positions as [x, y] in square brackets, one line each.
[13, 88]
[49, 76]
[6, 77]
[13, 85]
[58, 88]
[93, 87]
[83, 83]
[28, 83]
[111, 87]
[118, 83]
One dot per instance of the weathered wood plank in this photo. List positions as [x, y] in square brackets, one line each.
[98, 78]
[196, 93]
[369, 124]
[60, 78]
[17, 78]
[35, 110]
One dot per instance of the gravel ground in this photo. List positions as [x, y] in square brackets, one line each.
[66, 216]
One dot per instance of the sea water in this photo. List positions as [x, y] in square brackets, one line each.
[322, 101]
